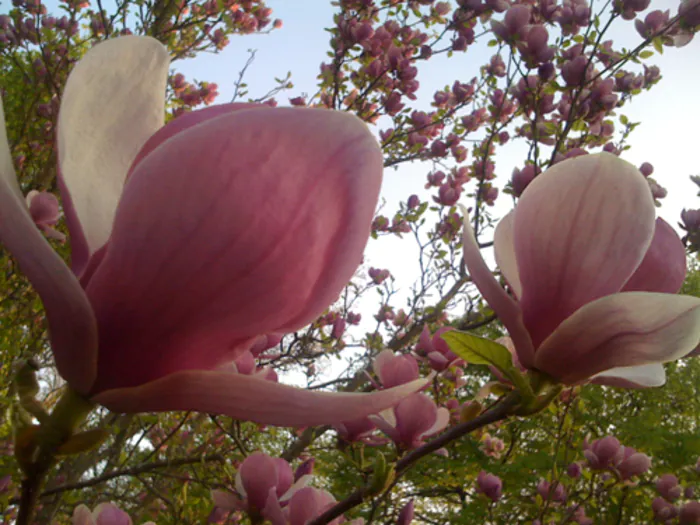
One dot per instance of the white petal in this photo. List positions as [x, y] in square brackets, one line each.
[643, 376]
[504, 251]
[113, 102]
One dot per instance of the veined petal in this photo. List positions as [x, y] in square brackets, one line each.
[664, 266]
[643, 376]
[507, 310]
[581, 230]
[621, 330]
[186, 121]
[113, 102]
[72, 328]
[247, 398]
[261, 240]
[504, 251]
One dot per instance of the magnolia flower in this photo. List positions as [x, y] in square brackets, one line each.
[412, 420]
[192, 241]
[593, 275]
[264, 484]
[104, 514]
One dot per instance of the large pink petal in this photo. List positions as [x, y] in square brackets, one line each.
[247, 224]
[113, 102]
[507, 310]
[186, 121]
[259, 476]
[72, 328]
[581, 230]
[621, 330]
[247, 398]
[664, 266]
[504, 251]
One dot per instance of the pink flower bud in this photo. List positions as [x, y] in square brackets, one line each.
[378, 276]
[574, 470]
[489, 485]
[646, 169]
[634, 464]
[663, 510]
[604, 453]
[406, 514]
[668, 487]
[522, 178]
[690, 513]
[551, 492]
[338, 328]
[413, 202]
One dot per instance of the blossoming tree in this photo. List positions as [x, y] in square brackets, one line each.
[169, 266]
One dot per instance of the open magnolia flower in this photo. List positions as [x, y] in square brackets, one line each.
[593, 274]
[192, 241]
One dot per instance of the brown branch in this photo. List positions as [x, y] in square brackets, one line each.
[497, 413]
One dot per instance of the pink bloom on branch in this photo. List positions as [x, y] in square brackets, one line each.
[192, 240]
[104, 514]
[489, 485]
[393, 370]
[594, 276]
[412, 420]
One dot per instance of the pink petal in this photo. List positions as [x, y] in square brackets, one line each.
[504, 251]
[581, 230]
[386, 426]
[248, 398]
[225, 500]
[186, 121]
[664, 266]
[307, 504]
[503, 305]
[110, 514]
[441, 422]
[262, 240]
[43, 207]
[285, 476]
[113, 102]
[71, 321]
[415, 415]
[81, 513]
[273, 510]
[259, 476]
[643, 376]
[621, 330]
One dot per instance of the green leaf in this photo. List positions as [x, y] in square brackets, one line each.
[480, 351]
[646, 54]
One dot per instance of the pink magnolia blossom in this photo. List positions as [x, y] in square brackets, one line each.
[593, 275]
[44, 209]
[263, 484]
[393, 370]
[192, 241]
[104, 514]
[489, 485]
[412, 420]
[435, 348]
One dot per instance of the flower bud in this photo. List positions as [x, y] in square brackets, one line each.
[489, 485]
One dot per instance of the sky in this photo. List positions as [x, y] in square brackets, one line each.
[667, 137]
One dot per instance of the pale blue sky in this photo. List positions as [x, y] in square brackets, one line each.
[667, 137]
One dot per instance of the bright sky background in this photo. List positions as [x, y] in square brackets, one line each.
[667, 138]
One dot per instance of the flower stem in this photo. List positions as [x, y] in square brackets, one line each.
[68, 414]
